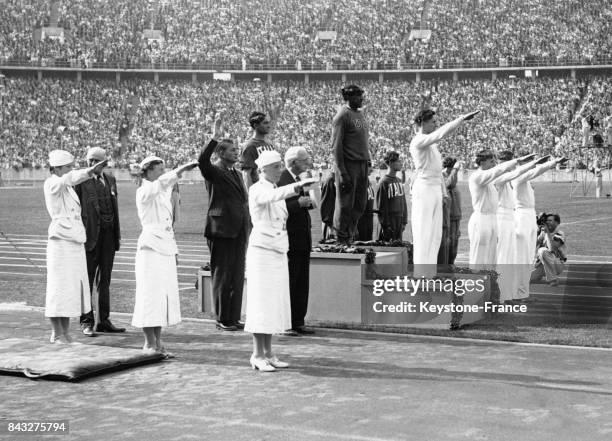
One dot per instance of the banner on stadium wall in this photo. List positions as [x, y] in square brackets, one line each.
[52, 33]
[420, 34]
[153, 34]
[327, 35]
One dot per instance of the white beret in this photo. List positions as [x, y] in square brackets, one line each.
[97, 153]
[268, 157]
[58, 158]
[149, 159]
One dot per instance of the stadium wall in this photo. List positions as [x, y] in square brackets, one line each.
[305, 76]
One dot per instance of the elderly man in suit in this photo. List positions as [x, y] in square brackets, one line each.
[227, 227]
[297, 161]
[100, 215]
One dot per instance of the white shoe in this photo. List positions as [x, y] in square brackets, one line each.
[274, 361]
[262, 364]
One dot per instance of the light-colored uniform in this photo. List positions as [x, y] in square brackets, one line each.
[157, 296]
[526, 226]
[268, 308]
[67, 281]
[482, 227]
[427, 190]
[506, 233]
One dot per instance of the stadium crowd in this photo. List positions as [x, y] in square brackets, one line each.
[137, 117]
[283, 33]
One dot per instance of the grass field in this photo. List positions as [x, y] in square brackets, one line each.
[585, 220]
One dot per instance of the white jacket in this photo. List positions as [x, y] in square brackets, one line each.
[269, 215]
[64, 207]
[154, 204]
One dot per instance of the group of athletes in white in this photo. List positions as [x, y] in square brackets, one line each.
[502, 229]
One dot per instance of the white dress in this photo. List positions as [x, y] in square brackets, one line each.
[482, 226]
[157, 297]
[67, 280]
[506, 234]
[526, 226]
[427, 191]
[268, 309]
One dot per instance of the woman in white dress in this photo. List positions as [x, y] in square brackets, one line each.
[482, 227]
[67, 281]
[268, 304]
[157, 298]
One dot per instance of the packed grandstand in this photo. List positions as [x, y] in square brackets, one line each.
[285, 33]
[135, 117]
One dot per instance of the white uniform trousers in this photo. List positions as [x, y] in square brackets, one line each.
[506, 254]
[426, 219]
[482, 232]
[526, 237]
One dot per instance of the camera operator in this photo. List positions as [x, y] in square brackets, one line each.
[541, 222]
[552, 252]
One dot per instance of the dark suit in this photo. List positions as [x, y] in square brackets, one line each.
[227, 228]
[300, 244]
[100, 215]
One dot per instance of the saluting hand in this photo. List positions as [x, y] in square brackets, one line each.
[471, 115]
[217, 129]
[97, 168]
[543, 160]
[525, 159]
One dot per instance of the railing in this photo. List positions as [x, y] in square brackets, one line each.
[305, 66]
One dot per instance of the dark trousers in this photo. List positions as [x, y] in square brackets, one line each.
[99, 269]
[351, 204]
[365, 227]
[454, 234]
[393, 228]
[299, 277]
[227, 264]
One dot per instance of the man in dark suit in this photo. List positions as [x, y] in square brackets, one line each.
[100, 215]
[297, 160]
[227, 227]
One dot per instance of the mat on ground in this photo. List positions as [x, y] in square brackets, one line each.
[69, 362]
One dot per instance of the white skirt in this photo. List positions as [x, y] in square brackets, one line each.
[482, 232]
[67, 281]
[506, 254]
[157, 295]
[268, 308]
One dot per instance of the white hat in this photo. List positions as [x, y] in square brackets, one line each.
[97, 153]
[149, 159]
[58, 158]
[268, 157]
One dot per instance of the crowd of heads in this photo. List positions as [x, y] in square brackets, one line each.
[247, 33]
[171, 119]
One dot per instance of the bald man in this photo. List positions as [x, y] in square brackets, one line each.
[298, 161]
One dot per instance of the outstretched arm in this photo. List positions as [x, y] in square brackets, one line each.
[443, 131]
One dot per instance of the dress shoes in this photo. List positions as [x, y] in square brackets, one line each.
[107, 326]
[303, 330]
[239, 325]
[262, 364]
[290, 333]
[87, 330]
[223, 327]
[275, 362]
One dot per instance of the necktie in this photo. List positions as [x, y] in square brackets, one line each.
[100, 180]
